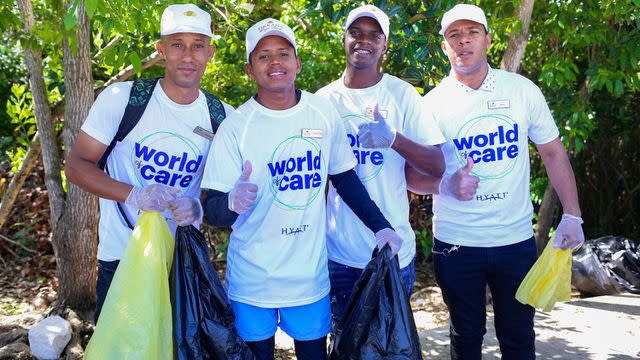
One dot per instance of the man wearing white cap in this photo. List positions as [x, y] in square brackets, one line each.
[482, 207]
[267, 173]
[387, 132]
[158, 165]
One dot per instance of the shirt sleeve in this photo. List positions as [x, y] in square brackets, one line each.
[224, 161]
[419, 125]
[542, 129]
[107, 112]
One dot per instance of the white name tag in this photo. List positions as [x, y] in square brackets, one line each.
[368, 112]
[203, 132]
[312, 133]
[498, 104]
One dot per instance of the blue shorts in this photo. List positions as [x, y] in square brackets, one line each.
[303, 323]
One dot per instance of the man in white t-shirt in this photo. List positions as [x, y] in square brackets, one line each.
[387, 132]
[267, 171]
[482, 210]
[158, 166]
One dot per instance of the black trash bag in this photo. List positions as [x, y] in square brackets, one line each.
[202, 316]
[608, 265]
[378, 321]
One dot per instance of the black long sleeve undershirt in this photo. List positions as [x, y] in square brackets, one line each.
[347, 184]
[216, 206]
[354, 194]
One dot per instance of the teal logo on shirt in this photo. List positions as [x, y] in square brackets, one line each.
[492, 143]
[166, 158]
[370, 161]
[296, 170]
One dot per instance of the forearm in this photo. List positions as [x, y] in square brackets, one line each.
[561, 176]
[419, 183]
[217, 212]
[90, 178]
[354, 194]
[427, 159]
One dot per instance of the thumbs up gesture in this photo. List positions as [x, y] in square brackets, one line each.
[377, 134]
[243, 195]
[460, 184]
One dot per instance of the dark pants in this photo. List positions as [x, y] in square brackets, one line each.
[463, 275]
[305, 350]
[106, 270]
[344, 277]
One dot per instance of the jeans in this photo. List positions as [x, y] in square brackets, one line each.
[106, 270]
[463, 273]
[344, 277]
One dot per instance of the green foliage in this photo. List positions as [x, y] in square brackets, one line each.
[21, 112]
[424, 241]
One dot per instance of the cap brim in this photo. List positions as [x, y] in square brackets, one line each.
[188, 29]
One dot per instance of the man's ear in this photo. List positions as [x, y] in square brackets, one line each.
[160, 48]
[298, 65]
[249, 71]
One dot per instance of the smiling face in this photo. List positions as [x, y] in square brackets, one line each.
[274, 64]
[364, 43]
[186, 56]
[466, 43]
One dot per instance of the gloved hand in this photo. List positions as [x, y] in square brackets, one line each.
[569, 234]
[377, 134]
[460, 184]
[243, 195]
[155, 197]
[186, 211]
[388, 236]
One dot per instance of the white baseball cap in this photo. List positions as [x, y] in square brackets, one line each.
[462, 12]
[369, 11]
[185, 18]
[265, 28]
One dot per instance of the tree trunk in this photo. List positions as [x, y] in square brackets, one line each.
[50, 148]
[9, 197]
[546, 215]
[518, 40]
[75, 240]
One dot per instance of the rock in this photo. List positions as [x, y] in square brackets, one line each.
[49, 337]
[15, 351]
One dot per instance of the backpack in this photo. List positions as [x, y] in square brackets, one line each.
[139, 97]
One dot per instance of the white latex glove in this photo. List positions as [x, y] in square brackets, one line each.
[460, 184]
[186, 211]
[156, 197]
[569, 234]
[377, 134]
[243, 195]
[388, 236]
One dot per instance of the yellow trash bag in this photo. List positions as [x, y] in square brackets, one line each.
[135, 322]
[549, 279]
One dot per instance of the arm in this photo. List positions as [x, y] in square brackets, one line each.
[560, 173]
[427, 159]
[351, 190]
[419, 183]
[217, 209]
[81, 169]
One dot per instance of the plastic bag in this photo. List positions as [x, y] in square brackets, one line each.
[607, 266]
[203, 318]
[135, 322]
[378, 321]
[548, 280]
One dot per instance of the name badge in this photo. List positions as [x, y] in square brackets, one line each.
[368, 112]
[312, 133]
[498, 104]
[204, 133]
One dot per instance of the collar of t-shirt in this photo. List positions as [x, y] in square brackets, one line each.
[298, 96]
[489, 83]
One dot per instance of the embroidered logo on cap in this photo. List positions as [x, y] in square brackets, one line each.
[190, 13]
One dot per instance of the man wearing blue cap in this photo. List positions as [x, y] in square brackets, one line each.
[482, 207]
[387, 132]
[158, 165]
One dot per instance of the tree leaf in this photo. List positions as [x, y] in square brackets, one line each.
[136, 62]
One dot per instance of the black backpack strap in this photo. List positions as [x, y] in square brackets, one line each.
[139, 97]
[216, 110]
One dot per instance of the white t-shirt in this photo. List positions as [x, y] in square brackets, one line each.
[490, 124]
[277, 254]
[161, 148]
[349, 241]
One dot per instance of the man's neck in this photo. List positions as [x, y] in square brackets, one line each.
[472, 78]
[280, 100]
[178, 94]
[361, 78]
